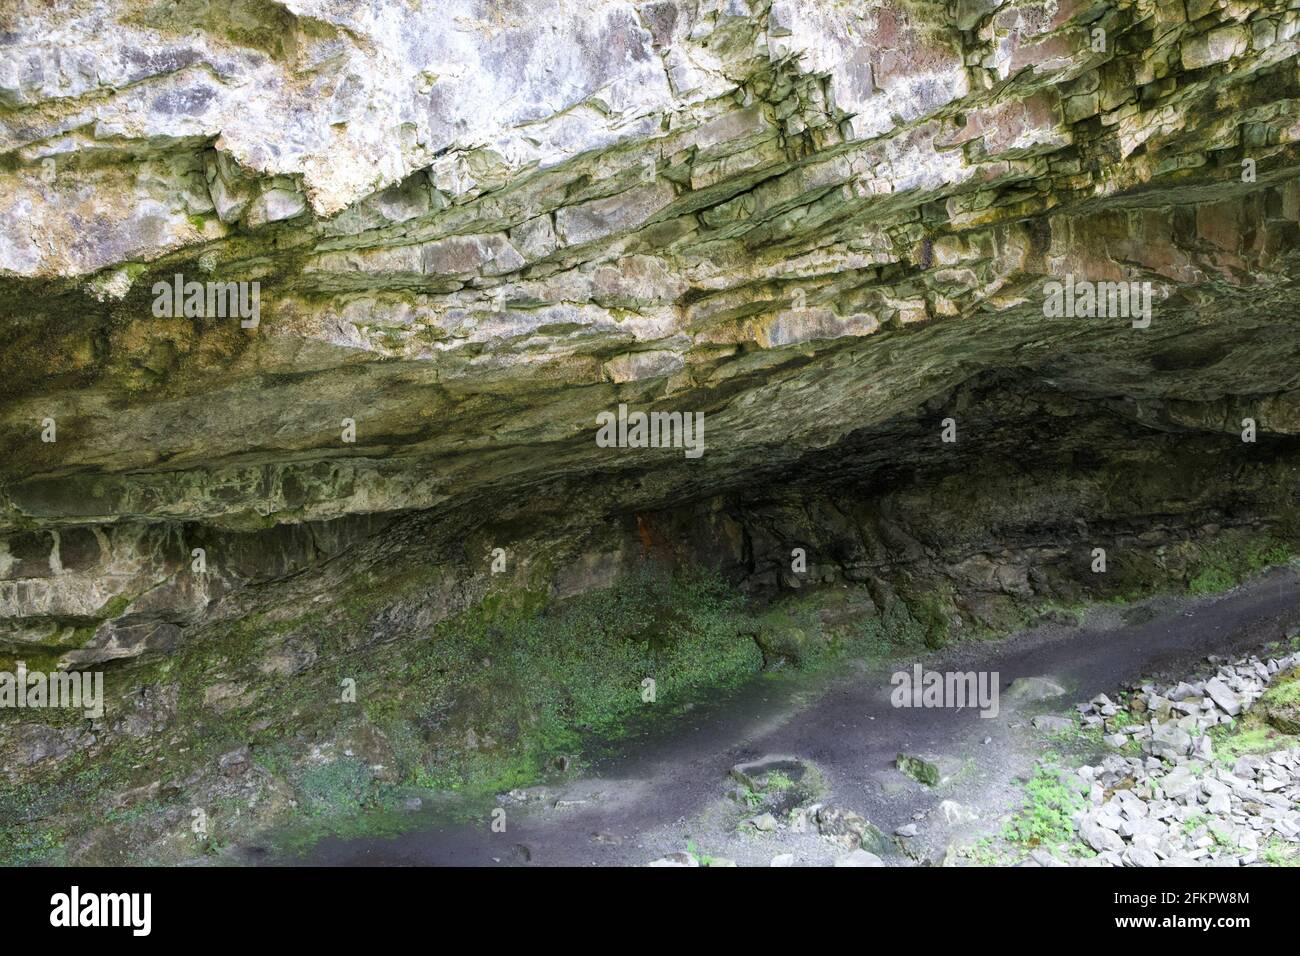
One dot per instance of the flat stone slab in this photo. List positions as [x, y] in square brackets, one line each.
[930, 769]
[1033, 689]
[1049, 724]
[757, 774]
[782, 783]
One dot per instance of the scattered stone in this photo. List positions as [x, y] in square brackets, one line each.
[764, 823]
[955, 813]
[907, 830]
[1053, 725]
[799, 820]
[1138, 856]
[850, 830]
[860, 858]
[526, 795]
[1226, 700]
[1203, 748]
[1099, 837]
[1175, 806]
[783, 859]
[1170, 741]
[1044, 858]
[675, 859]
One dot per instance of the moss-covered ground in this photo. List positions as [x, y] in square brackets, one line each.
[481, 702]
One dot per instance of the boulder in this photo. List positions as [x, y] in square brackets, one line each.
[1053, 725]
[955, 813]
[1169, 741]
[1223, 697]
[928, 769]
[851, 830]
[1029, 689]
[1099, 837]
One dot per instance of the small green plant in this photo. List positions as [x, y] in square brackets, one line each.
[1221, 836]
[341, 785]
[898, 628]
[1123, 718]
[1092, 736]
[1226, 565]
[1046, 818]
[776, 780]
[1277, 853]
[1211, 580]
[1248, 736]
[983, 853]
[1072, 615]
[695, 851]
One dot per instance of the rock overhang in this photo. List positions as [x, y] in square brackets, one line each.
[473, 230]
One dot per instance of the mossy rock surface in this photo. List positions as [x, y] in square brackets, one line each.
[924, 769]
[1281, 702]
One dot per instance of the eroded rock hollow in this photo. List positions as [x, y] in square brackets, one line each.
[311, 314]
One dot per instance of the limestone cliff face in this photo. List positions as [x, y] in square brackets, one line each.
[476, 225]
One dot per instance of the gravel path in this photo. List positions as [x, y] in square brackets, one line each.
[668, 790]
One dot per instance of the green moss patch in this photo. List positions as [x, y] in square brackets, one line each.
[1225, 565]
[1046, 819]
[484, 702]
